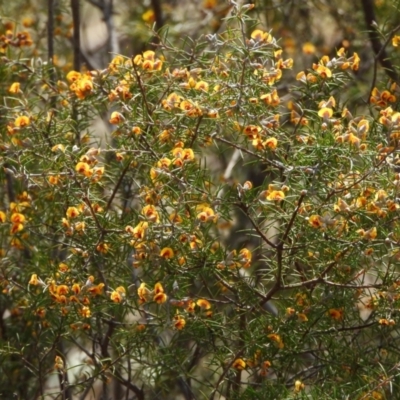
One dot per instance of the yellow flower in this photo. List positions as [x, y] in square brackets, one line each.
[116, 118]
[73, 76]
[308, 48]
[395, 41]
[204, 304]
[167, 253]
[270, 143]
[136, 130]
[17, 218]
[118, 295]
[15, 88]
[277, 339]
[316, 221]
[276, 195]
[202, 85]
[259, 36]
[370, 234]
[159, 295]
[151, 213]
[85, 312]
[179, 322]
[143, 293]
[3, 216]
[103, 248]
[325, 113]
[271, 99]
[83, 169]
[72, 212]
[148, 17]
[322, 71]
[172, 101]
[298, 386]
[239, 364]
[58, 363]
[22, 121]
[35, 281]
[207, 214]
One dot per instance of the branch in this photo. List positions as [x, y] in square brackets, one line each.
[76, 37]
[379, 49]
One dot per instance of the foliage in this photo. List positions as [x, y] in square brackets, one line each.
[220, 242]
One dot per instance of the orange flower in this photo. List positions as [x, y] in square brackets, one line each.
[143, 293]
[204, 304]
[85, 312]
[83, 169]
[179, 322]
[239, 364]
[103, 248]
[22, 121]
[72, 212]
[167, 253]
[151, 213]
[116, 118]
[17, 218]
[336, 313]
[277, 339]
[118, 295]
[202, 85]
[315, 221]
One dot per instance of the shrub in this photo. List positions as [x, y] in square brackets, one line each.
[141, 258]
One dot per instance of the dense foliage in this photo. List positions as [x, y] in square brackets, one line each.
[187, 222]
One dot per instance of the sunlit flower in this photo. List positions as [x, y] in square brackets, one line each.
[323, 71]
[83, 169]
[116, 118]
[151, 213]
[159, 295]
[72, 212]
[22, 121]
[167, 253]
[118, 295]
[239, 364]
[276, 195]
[298, 386]
[15, 88]
[204, 304]
[85, 312]
[144, 293]
[179, 322]
[259, 36]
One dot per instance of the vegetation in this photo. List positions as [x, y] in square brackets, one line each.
[196, 220]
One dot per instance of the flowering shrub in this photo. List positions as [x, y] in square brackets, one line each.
[154, 258]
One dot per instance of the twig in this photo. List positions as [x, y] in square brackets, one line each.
[379, 49]
[76, 36]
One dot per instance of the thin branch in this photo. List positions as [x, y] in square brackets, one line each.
[373, 33]
[77, 35]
